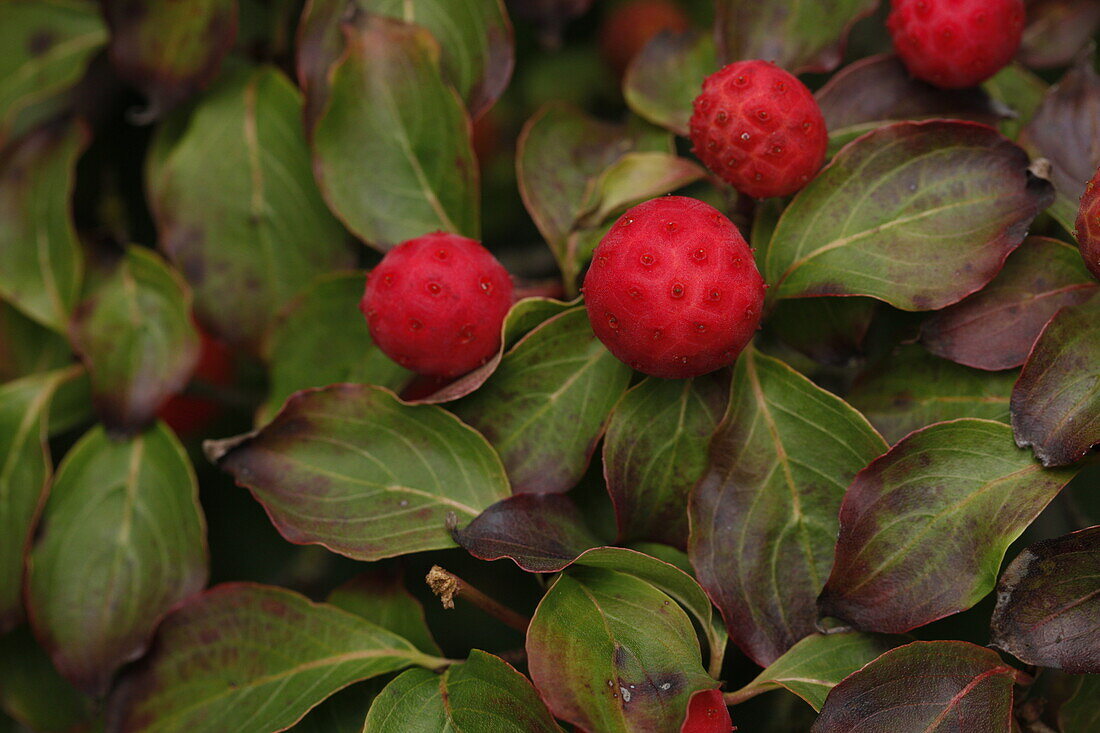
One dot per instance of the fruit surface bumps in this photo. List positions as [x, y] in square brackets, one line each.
[759, 129]
[673, 290]
[707, 713]
[956, 43]
[1087, 229]
[435, 304]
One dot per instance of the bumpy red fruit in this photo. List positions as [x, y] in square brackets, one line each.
[759, 129]
[435, 304]
[1087, 229]
[673, 290]
[956, 43]
[707, 713]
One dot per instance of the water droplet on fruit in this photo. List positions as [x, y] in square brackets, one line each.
[749, 313]
[746, 136]
[434, 288]
[625, 222]
[635, 292]
[466, 334]
[647, 259]
[612, 322]
[415, 325]
[677, 290]
[701, 327]
[671, 226]
[699, 255]
[441, 254]
[777, 150]
[388, 278]
[762, 115]
[740, 80]
[486, 285]
[657, 334]
[683, 360]
[715, 295]
[722, 117]
[712, 144]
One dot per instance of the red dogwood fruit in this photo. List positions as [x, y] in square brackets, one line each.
[707, 713]
[673, 290]
[435, 304]
[1087, 228]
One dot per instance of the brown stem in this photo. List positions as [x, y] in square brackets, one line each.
[449, 586]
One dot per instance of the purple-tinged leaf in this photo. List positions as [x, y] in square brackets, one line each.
[541, 533]
[1066, 131]
[816, 664]
[996, 327]
[482, 693]
[632, 179]
[135, 336]
[32, 692]
[252, 659]
[924, 528]
[351, 468]
[656, 450]
[1081, 713]
[170, 50]
[609, 652]
[911, 389]
[380, 596]
[41, 263]
[1021, 91]
[828, 330]
[1056, 401]
[1057, 31]
[122, 541]
[797, 36]
[547, 404]
[924, 686]
[763, 517]
[667, 75]
[1048, 604]
[918, 214]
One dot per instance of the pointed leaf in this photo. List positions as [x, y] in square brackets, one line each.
[381, 598]
[928, 686]
[797, 36]
[352, 469]
[665, 77]
[996, 327]
[633, 178]
[546, 406]
[1048, 604]
[387, 172]
[816, 664]
[918, 214]
[763, 517]
[1081, 713]
[656, 450]
[912, 389]
[609, 652]
[1056, 401]
[41, 263]
[47, 46]
[924, 528]
[199, 33]
[252, 659]
[236, 207]
[136, 337]
[122, 541]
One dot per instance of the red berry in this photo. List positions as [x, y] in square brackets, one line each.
[673, 290]
[629, 26]
[759, 129]
[1087, 229]
[707, 713]
[435, 304]
[189, 413]
[956, 43]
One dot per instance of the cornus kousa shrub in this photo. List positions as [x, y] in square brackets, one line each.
[744, 374]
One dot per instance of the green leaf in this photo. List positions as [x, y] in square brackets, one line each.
[667, 74]
[482, 694]
[351, 468]
[1056, 401]
[41, 263]
[828, 330]
[911, 389]
[381, 598]
[252, 659]
[927, 686]
[918, 214]
[236, 207]
[548, 402]
[345, 711]
[321, 339]
[32, 691]
[47, 46]
[391, 142]
[25, 469]
[924, 528]
[170, 50]
[137, 339]
[1019, 89]
[804, 36]
[610, 652]
[815, 665]
[27, 347]
[656, 450]
[633, 178]
[1081, 713]
[763, 516]
[122, 541]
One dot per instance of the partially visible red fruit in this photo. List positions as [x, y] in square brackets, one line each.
[673, 290]
[629, 26]
[707, 713]
[759, 129]
[1087, 229]
[956, 43]
[435, 304]
[188, 414]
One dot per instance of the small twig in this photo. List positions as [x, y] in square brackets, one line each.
[449, 586]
